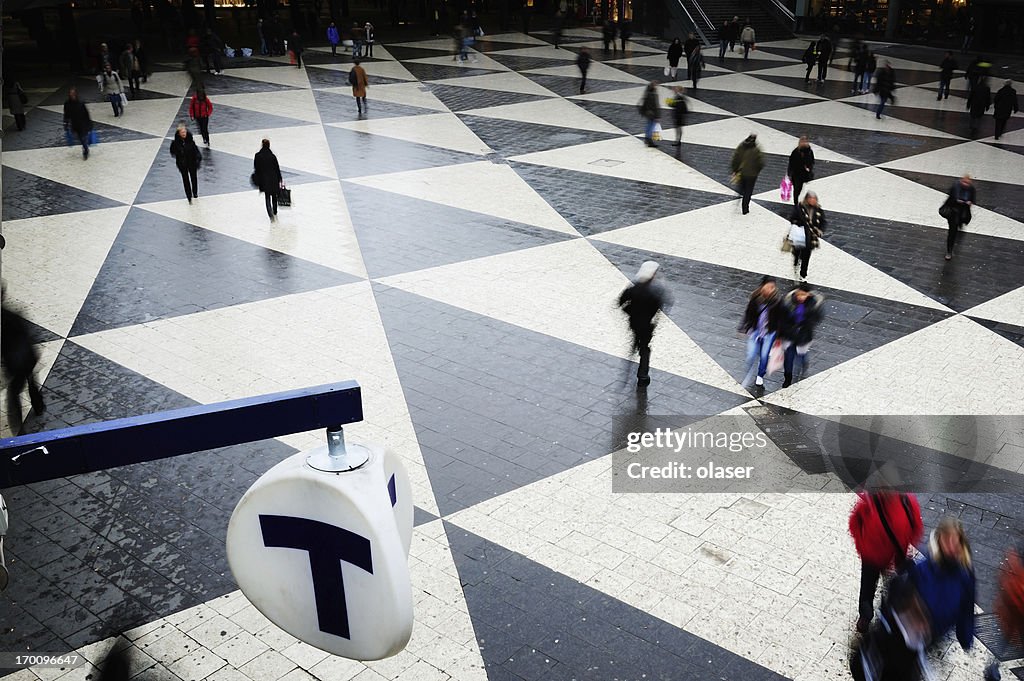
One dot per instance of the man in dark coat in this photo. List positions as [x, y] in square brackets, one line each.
[801, 167]
[689, 46]
[1005, 106]
[747, 163]
[946, 69]
[978, 103]
[267, 176]
[957, 210]
[650, 109]
[19, 358]
[824, 57]
[641, 302]
[295, 45]
[77, 120]
[583, 63]
[885, 86]
[187, 158]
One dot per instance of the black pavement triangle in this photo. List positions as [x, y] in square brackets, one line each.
[565, 86]
[657, 73]
[465, 98]
[337, 108]
[952, 122]
[231, 85]
[406, 53]
[357, 154]
[532, 622]
[998, 197]
[165, 263]
[853, 323]
[1010, 332]
[413, 234]
[983, 267]
[745, 65]
[220, 173]
[626, 118]
[227, 118]
[746, 103]
[45, 129]
[31, 196]
[329, 78]
[594, 204]
[831, 89]
[466, 379]
[871, 146]
[520, 63]
[488, 46]
[511, 138]
[913, 77]
[425, 72]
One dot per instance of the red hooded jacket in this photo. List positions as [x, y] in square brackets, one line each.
[873, 543]
[200, 108]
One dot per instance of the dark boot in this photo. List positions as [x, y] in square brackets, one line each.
[789, 381]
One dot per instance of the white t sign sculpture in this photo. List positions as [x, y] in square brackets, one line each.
[320, 545]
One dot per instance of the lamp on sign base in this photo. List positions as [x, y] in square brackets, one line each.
[320, 545]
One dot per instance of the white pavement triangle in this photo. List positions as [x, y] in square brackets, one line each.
[729, 132]
[279, 75]
[297, 104]
[1008, 308]
[383, 69]
[980, 161]
[546, 52]
[443, 130]
[174, 83]
[905, 376]
[598, 71]
[51, 262]
[896, 198]
[633, 47]
[752, 240]
[557, 112]
[540, 289]
[482, 187]
[520, 38]
[628, 158]
[115, 170]
[151, 116]
[282, 343]
[631, 96]
[800, 71]
[407, 94]
[302, 147]
[741, 82]
[1015, 138]
[916, 98]
[840, 115]
[476, 61]
[316, 228]
[506, 81]
[439, 44]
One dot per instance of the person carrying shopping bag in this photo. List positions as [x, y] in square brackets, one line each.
[807, 225]
[110, 87]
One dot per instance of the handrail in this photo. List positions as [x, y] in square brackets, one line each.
[785, 11]
[689, 16]
[707, 19]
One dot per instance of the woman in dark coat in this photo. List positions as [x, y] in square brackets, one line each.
[267, 175]
[675, 53]
[808, 215]
[650, 109]
[186, 156]
[77, 120]
[801, 167]
[695, 65]
[957, 210]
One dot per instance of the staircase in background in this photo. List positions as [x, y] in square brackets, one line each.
[770, 18]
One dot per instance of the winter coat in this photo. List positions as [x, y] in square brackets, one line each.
[185, 152]
[748, 160]
[958, 197]
[947, 68]
[814, 227]
[747, 35]
[696, 64]
[110, 83]
[76, 116]
[753, 313]
[1005, 102]
[129, 64]
[689, 46]
[14, 103]
[902, 513]
[885, 83]
[583, 61]
[824, 50]
[333, 37]
[947, 590]
[359, 89]
[649, 107]
[16, 345]
[811, 54]
[801, 165]
[200, 108]
[980, 100]
[800, 331]
[641, 302]
[267, 171]
[860, 61]
[675, 53]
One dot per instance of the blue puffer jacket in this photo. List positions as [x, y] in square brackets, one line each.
[948, 591]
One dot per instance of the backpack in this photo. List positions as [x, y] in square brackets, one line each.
[353, 79]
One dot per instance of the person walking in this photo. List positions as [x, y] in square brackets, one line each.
[200, 109]
[884, 525]
[885, 86]
[20, 358]
[143, 60]
[608, 35]
[110, 87]
[978, 103]
[261, 37]
[946, 69]
[679, 110]
[724, 34]
[1005, 106]
[650, 109]
[583, 64]
[369, 35]
[188, 159]
[860, 65]
[357, 40]
[810, 58]
[748, 38]
[869, 71]
[357, 79]
[761, 321]
[675, 53]
[267, 177]
[824, 57]
[641, 302]
[77, 120]
[695, 65]
[16, 101]
[975, 71]
[801, 167]
[807, 225]
[734, 32]
[957, 210]
[801, 314]
[945, 582]
[129, 69]
[747, 163]
[295, 45]
[688, 47]
[333, 37]
[625, 32]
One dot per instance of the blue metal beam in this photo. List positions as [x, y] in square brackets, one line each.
[98, 446]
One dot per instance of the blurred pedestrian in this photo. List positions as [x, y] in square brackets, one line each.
[77, 120]
[194, 67]
[679, 110]
[583, 63]
[261, 37]
[266, 172]
[641, 302]
[801, 314]
[761, 321]
[1005, 106]
[860, 65]
[946, 69]
[688, 47]
[885, 87]
[747, 163]
[695, 65]
[801, 167]
[333, 37]
[295, 45]
[869, 71]
[625, 32]
[724, 35]
[214, 48]
[369, 35]
[608, 35]
[957, 210]
[16, 101]
[130, 71]
[810, 58]
[105, 58]
[20, 358]
[944, 579]
[650, 109]
[358, 33]
[978, 103]
[807, 225]
[110, 87]
[675, 53]
[884, 525]
[357, 79]
[974, 73]
[143, 59]
[188, 159]
[734, 32]
[200, 109]
[748, 39]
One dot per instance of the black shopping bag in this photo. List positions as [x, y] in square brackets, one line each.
[284, 197]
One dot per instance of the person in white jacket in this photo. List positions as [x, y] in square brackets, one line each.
[747, 38]
[111, 88]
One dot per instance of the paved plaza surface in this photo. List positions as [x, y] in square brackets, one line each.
[459, 252]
